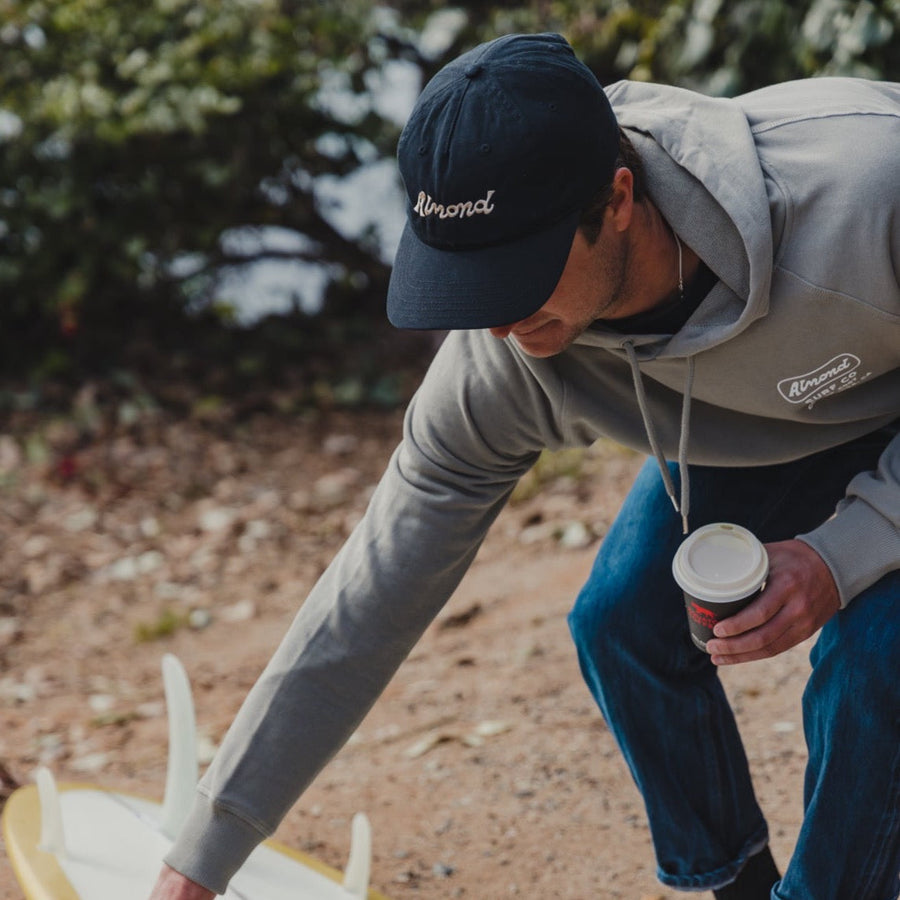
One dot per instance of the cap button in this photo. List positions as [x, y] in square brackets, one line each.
[473, 70]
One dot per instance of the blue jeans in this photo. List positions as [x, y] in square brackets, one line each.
[663, 700]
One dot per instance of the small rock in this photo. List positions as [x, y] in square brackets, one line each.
[168, 590]
[91, 762]
[198, 619]
[124, 569]
[206, 749]
[340, 444]
[258, 529]
[575, 536]
[241, 611]
[10, 630]
[492, 727]
[255, 530]
[149, 561]
[16, 691]
[82, 520]
[216, 519]
[10, 455]
[101, 703]
[150, 527]
[36, 546]
[336, 487]
[152, 709]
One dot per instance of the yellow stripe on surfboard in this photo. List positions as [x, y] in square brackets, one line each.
[41, 876]
[38, 872]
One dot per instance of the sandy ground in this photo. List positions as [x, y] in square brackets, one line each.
[485, 769]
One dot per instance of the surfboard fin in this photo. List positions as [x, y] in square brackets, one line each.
[359, 862]
[53, 839]
[182, 772]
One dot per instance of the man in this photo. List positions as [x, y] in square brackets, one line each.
[713, 281]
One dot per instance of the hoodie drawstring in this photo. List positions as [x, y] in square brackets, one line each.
[683, 505]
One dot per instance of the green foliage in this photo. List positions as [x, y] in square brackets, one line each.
[133, 135]
[721, 47]
[137, 135]
[165, 625]
[551, 466]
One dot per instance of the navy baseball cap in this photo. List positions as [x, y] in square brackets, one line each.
[504, 149]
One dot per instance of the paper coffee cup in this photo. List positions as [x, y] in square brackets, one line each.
[721, 568]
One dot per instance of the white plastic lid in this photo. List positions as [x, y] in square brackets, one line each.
[720, 562]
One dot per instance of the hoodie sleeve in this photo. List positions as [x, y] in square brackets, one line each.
[472, 430]
[861, 542]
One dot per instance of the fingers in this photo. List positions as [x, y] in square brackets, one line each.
[761, 610]
[798, 600]
[779, 634]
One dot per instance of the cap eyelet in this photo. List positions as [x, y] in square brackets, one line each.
[422, 150]
[485, 148]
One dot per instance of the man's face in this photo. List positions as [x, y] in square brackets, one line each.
[594, 284]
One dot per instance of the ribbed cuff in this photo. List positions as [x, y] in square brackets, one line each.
[213, 845]
[858, 545]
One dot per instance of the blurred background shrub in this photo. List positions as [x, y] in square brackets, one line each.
[198, 188]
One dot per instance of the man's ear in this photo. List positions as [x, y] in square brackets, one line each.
[621, 203]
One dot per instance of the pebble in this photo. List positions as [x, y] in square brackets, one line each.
[10, 630]
[216, 519]
[124, 569]
[206, 749]
[150, 527]
[241, 611]
[91, 762]
[340, 444]
[10, 455]
[101, 703]
[575, 536]
[784, 727]
[16, 691]
[36, 546]
[198, 619]
[83, 520]
[336, 488]
[152, 709]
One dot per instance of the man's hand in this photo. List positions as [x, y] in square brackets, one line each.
[172, 885]
[799, 598]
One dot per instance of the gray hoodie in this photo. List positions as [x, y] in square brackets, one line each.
[791, 195]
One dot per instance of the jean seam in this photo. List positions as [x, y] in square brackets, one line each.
[881, 855]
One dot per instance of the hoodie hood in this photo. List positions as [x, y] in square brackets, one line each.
[704, 176]
[715, 200]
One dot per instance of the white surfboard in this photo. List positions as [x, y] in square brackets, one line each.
[81, 842]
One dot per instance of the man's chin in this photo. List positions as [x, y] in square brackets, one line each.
[540, 349]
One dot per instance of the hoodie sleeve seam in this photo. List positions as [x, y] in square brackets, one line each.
[771, 174]
[874, 310]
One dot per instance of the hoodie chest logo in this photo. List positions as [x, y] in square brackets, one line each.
[838, 374]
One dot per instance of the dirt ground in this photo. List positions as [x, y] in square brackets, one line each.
[485, 769]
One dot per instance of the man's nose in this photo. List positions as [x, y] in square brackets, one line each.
[502, 331]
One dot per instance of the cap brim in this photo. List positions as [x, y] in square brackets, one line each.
[483, 288]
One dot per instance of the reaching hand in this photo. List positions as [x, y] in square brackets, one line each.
[172, 885]
[799, 598]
